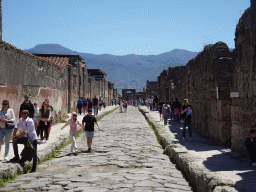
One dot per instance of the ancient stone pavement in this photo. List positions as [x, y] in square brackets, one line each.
[126, 157]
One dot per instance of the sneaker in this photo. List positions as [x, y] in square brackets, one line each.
[76, 151]
[41, 142]
[5, 158]
[46, 141]
[15, 159]
[254, 164]
[183, 139]
[90, 149]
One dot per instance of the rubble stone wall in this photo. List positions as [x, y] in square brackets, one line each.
[23, 73]
[244, 107]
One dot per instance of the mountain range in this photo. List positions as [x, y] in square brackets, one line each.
[128, 71]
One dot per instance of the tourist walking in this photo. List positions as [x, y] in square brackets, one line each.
[29, 132]
[89, 104]
[100, 103]
[95, 103]
[121, 106]
[176, 110]
[6, 118]
[166, 112]
[104, 103]
[172, 109]
[160, 109]
[73, 122]
[187, 109]
[51, 118]
[125, 106]
[88, 123]
[44, 118]
[85, 105]
[36, 115]
[27, 105]
[250, 143]
[151, 103]
[155, 101]
[79, 105]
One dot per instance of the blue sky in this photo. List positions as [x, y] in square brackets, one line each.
[121, 27]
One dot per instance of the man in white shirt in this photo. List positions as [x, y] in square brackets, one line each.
[29, 132]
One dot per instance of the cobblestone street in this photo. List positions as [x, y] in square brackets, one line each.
[125, 157]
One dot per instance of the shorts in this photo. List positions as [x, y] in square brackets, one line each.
[35, 119]
[89, 134]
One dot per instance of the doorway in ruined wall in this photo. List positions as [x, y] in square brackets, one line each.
[128, 94]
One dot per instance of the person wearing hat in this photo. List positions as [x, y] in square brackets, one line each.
[89, 121]
[29, 132]
[27, 105]
[73, 122]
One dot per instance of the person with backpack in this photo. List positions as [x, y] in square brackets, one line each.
[187, 109]
[29, 132]
[166, 112]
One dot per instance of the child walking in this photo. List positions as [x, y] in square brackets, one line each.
[73, 130]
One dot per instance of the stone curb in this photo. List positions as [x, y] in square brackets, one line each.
[199, 177]
[9, 170]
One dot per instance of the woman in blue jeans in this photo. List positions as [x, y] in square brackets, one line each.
[6, 116]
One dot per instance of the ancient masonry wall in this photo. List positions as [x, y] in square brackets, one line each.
[206, 82]
[243, 110]
[23, 73]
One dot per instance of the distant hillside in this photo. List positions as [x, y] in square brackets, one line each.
[125, 71]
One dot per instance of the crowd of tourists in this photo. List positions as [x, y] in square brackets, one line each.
[177, 112]
[84, 104]
[37, 121]
[173, 110]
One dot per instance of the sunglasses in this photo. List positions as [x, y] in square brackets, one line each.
[5, 103]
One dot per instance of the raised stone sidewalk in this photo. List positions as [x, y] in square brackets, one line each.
[57, 138]
[208, 167]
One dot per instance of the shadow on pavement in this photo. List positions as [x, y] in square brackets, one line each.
[224, 161]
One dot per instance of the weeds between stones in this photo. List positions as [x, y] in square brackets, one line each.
[48, 157]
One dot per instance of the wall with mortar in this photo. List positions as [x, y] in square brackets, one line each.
[244, 107]
[197, 81]
[23, 73]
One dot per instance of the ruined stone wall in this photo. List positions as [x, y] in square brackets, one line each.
[0, 20]
[209, 82]
[23, 73]
[175, 75]
[163, 85]
[244, 107]
[197, 82]
[152, 89]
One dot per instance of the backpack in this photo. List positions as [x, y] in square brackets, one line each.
[165, 109]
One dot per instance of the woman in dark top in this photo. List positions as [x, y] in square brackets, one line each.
[89, 104]
[44, 117]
